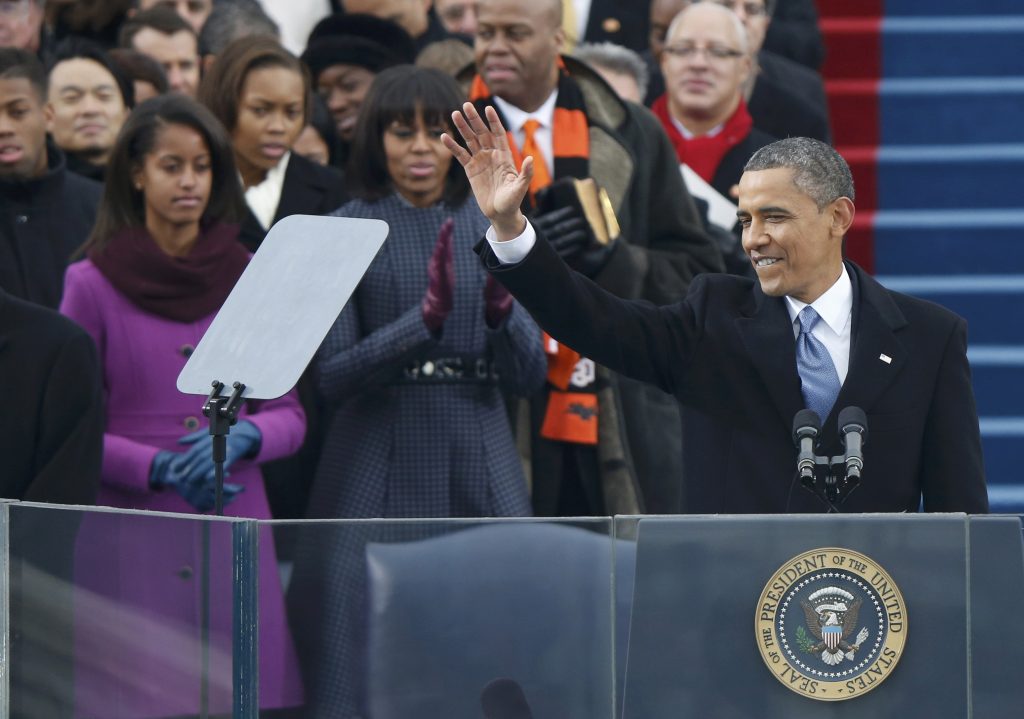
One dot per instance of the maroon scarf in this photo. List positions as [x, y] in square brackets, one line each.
[704, 154]
[183, 289]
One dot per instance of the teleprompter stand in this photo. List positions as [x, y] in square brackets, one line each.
[223, 414]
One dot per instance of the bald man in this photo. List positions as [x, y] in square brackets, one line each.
[615, 454]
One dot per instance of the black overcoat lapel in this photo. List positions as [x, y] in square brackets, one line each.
[768, 337]
[876, 353]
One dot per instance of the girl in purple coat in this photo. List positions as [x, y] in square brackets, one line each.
[161, 260]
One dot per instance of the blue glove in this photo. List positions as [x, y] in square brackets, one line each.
[166, 471]
[161, 472]
[202, 493]
[244, 440]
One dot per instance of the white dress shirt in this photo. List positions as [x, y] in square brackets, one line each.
[545, 115]
[687, 135]
[835, 306]
[264, 198]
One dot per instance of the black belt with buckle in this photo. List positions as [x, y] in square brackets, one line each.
[449, 369]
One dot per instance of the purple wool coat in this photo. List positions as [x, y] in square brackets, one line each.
[137, 606]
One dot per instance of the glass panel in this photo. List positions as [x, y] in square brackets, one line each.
[696, 629]
[996, 631]
[416, 618]
[119, 615]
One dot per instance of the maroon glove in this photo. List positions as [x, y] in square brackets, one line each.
[497, 302]
[437, 303]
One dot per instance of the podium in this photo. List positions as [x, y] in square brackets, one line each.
[711, 593]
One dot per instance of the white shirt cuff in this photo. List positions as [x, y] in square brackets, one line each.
[512, 251]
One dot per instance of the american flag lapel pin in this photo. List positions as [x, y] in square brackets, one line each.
[885, 358]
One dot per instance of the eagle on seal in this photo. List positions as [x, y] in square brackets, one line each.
[832, 624]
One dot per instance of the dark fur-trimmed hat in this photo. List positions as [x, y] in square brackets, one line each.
[360, 40]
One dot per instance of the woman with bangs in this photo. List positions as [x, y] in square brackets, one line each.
[413, 372]
[415, 366]
[262, 94]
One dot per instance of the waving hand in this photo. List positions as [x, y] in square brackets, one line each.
[499, 188]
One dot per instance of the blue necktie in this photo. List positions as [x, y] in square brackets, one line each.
[819, 382]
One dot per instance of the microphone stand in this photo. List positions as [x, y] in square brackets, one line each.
[830, 482]
[223, 414]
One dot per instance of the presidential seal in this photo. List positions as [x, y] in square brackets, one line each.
[831, 624]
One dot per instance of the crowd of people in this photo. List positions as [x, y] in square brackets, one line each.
[148, 146]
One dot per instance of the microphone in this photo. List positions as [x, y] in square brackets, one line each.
[806, 428]
[504, 699]
[853, 428]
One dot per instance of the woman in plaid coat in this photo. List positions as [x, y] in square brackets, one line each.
[419, 426]
[414, 372]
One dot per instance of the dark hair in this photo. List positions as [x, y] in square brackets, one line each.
[160, 18]
[123, 206]
[231, 20]
[137, 66]
[76, 48]
[398, 93]
[819, 171]
[221, 88]
[16, 63]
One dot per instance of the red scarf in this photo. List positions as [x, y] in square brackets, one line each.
[704, 154]
[183, 289]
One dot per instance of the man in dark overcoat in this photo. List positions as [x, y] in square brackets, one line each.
[745, 356]
[585, 131]
[46, 212]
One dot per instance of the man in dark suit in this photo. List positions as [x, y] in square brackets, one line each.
[744, 356]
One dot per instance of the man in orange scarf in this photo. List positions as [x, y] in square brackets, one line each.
[598, 443]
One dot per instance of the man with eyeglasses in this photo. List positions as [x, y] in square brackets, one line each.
[705, 64]
[784, 102]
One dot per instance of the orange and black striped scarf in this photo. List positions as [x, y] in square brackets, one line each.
[570, 133]
[571, 414]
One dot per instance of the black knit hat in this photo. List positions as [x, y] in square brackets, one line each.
[360, 40]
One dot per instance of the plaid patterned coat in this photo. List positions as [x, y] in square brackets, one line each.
[402, 449]
[423, 449]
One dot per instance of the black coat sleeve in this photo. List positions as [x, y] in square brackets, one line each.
[69, 450]
[632, 337]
